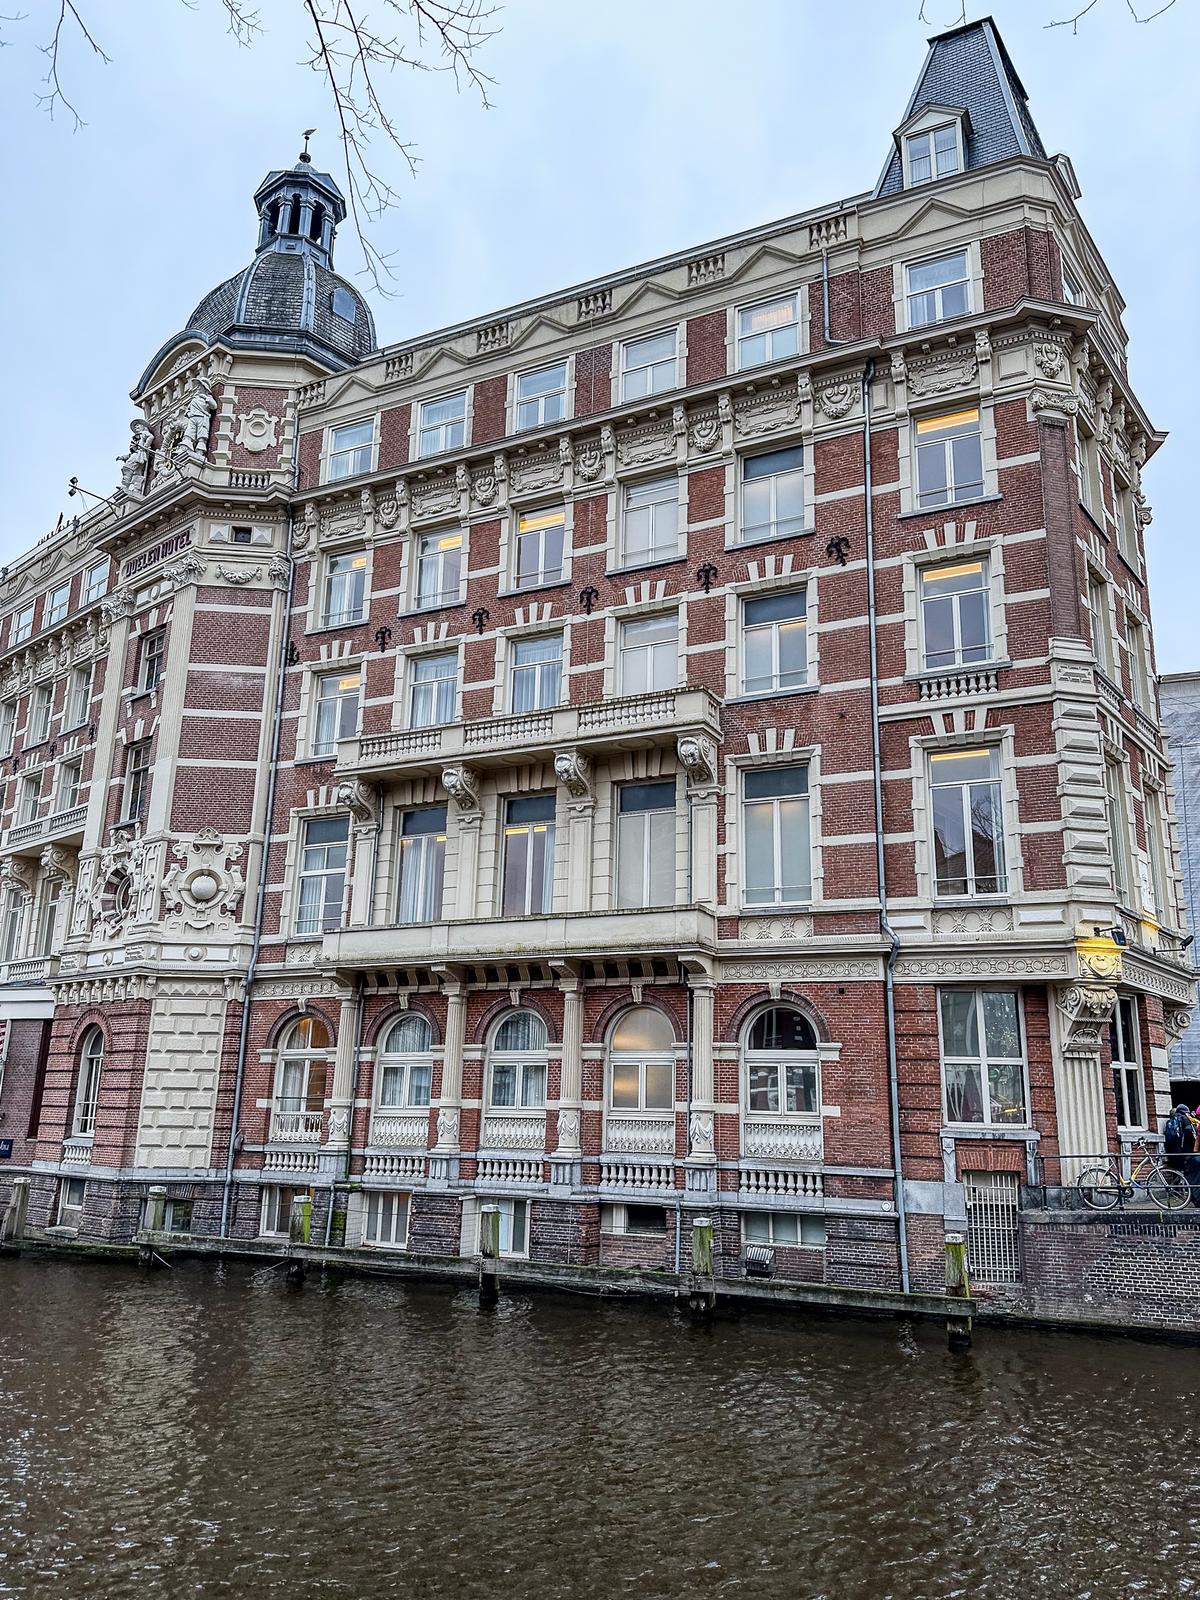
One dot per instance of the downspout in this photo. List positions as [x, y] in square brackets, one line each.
[268, 822]
[880, 862]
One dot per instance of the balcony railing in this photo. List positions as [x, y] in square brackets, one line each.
[400, 1130]
[296, 1127]
[781, 1139]
[652, 1177]
[620, 722]
[502, 1170]
[651, 1133]
[51, 827]
[514, 1130]
[788, 1183]
[77, 1151]
[33, 970]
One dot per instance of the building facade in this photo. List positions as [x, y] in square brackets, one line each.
[686, 743]
[1179, 697]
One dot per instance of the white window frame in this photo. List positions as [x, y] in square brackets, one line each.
[271, 1205]
[403, 1063]
[396, 1203]
[22, 624]
[440, 553]
[949, 430]
[931, 570]
[79, 698]
[985, 1058]
[793, 298]
[528, 828]
[12, 925]
[768, 1225]
[1074, 292]
[318, 700]
[1127, 1067]
[778, 900]
[424, 857]
[1116, 810]
[549, 517]
[614, 1221]
[413, 685]
[547, 674]
[625, 370]
[29, 799]
[650, 851]
[439, 441]
[657, 652]
[323, 874]
[58, 603]
[135, 783]
[1002, 845]
[151, 660]
[773, 531]
[75, 766]
[654, 555]
[335, 454]
[352, 579]
[86, 1100]
[8, 726]
[938, 292]
[41, 713]
[526, 1063]
[1099, 610]
[48, 913]
[95, 583]
[69, 1212]
[929, 133]
[519, 401]
[773, 626]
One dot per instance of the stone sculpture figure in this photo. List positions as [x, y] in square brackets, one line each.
[200, 408]
[137, 458]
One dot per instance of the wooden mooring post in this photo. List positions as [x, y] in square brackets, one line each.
[489, 1255]
[12, 1224]
[958, 1287]
[299, 1232]
[702, 1291]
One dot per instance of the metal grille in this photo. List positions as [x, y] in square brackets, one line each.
[993, 1239]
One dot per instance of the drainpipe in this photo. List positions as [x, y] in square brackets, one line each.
[260, 898]
[829, 339]
[880, 863]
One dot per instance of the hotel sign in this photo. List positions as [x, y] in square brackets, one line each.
[155, 553]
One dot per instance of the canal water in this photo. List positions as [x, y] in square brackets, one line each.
[209, 1432]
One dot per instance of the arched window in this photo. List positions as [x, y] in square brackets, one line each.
[91, 1059]
[293, 222]
[316, 221]
[517, 1063]
[782, 1066]
[642, 1062]
[405, 1065]
[300, 1080]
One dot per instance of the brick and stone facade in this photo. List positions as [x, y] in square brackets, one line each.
[462, 771]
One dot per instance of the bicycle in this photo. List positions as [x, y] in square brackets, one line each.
[1103, 1186]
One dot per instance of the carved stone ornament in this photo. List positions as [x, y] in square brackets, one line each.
[339, 1125]
[573, 772]
[359, 799]
[59, 863]
[189, 570]
[485, 487]
[1176, 1022]
[120, 886]
[239, 575]
[568, 1128]
[1049, 360]
[136, 459]
[447, 1125]
[257, 430]
[589, 462]
[204, 885]
[462, 785]
[698, 758]
[197, 420]
[534, 472]
[387, 510]
[706, 434]
[17, 873]
[1054, 400]
[836, 400]
[637, 447]
[279, 573]
[766, 413]
[1084, 1011]
[940, 379]
[433, 499]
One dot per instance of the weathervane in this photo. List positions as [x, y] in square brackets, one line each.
[304, 155]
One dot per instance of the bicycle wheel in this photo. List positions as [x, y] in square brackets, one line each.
[1099, 1188]
[1168, 1189]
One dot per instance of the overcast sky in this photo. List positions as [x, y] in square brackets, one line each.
[619, 131]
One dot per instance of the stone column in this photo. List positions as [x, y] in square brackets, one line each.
[1082, 1012]
[462, 785]
[443, 1163]
[341, 1107]
[702, 1158]
[566, 1160]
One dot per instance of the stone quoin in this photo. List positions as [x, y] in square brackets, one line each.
[460, 772]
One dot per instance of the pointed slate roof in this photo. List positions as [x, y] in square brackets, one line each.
[968, 67]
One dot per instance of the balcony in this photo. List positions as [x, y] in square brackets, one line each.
[781, 1139]
[649, 1133]
[602, 934]
[36, 969]
[62, 825]
[625, 723]
[296, 1127]
[513, 1130]
[400, 1130]
[77, 1150]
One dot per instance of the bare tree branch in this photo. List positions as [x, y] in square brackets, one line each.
[1073, 22]
[960, 18]
[52, 51]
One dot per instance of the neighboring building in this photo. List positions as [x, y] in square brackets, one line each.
[1179, 696]
[563, 661]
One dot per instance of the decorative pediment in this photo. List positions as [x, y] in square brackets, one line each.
[936, 211]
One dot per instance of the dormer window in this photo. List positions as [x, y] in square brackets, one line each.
[343, 305]
[932, 154]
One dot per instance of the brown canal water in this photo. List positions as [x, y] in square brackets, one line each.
[210, 1432]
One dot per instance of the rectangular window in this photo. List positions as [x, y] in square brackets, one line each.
[422, 864]
[29, 796]
[542, 397]
[277, 1208]
[968, 822]
[933, 154]
[8, 726]
[1125, 1051]
[137, 781]
[150, 660]
[528, 879]
[345, 588]
[1139, 668]
[938, 289]
[177, 1216]
[514, 1226]
[95, 582]
[538, 548]
[647, 1221]
[774, 644]
[955, 615]
[775, 825]
[769, 331]
[1118, 825]
[782, 1227]
[1098, 616]
[1087, 470]
[70, 781]
[443, 424]
[949, 459]
[772, 494]
[79, 697]
[1072, 286]
[48, 921]
[439, 570]
[536, 673]
[983, 1061]
[1156, 851]
[40, 708]
[71, 1192]
[993, 1227]
[322, 877]
[649, 654]
[650, 523]
[648, 366]
[386, 1219]
[350, 450]
[432, 690]
[646, 844]
[405, 1083]
[336, 710]
[22, 624]
[10, 930]
[57, 603]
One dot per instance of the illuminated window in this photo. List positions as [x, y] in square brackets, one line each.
[955, 619]
[336, 715]
[438, 570]
[949, 459]
[769, 331]
[538, 548]
[345, 589]
[968, 822]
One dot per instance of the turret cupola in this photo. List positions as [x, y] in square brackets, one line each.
[299, 210]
